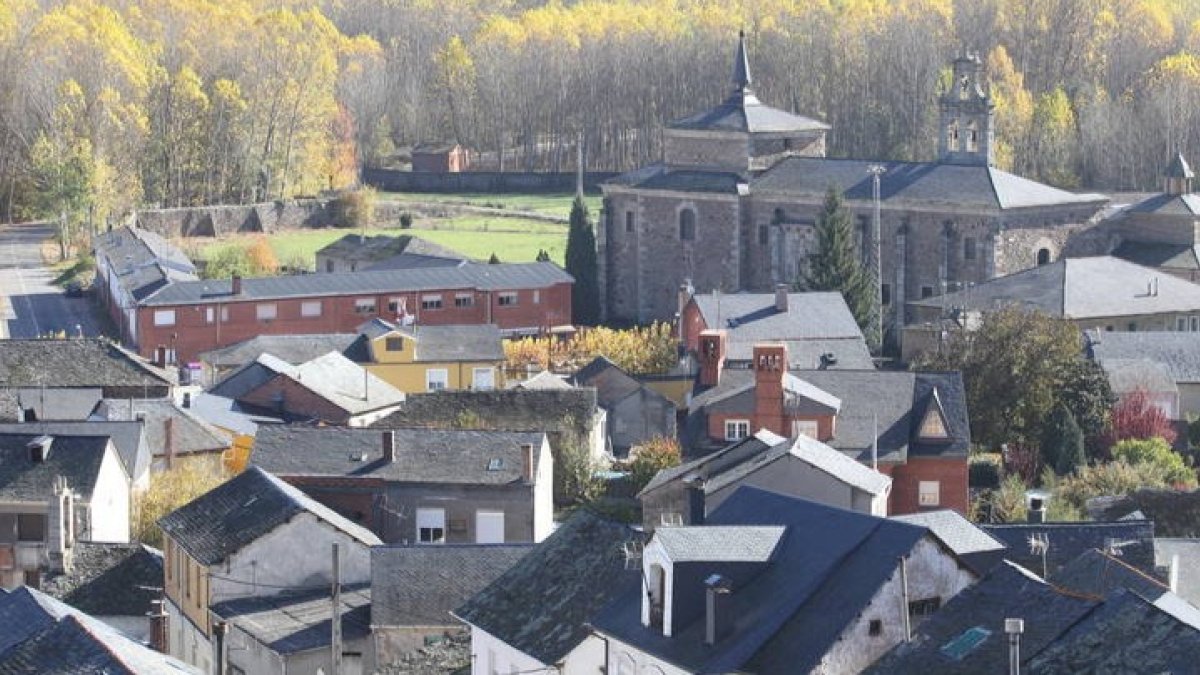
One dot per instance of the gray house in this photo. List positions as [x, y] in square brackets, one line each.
[636, 413]
[425, 486]
[1165, 364]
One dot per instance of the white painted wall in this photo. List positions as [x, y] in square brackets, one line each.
[185, 641]
[296, 554]
[655, 555]
[626, 660]
[543, 494]
[254, 658]
[109, 505]
[794, 477]
[490, 655]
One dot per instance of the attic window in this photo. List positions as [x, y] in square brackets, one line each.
[933, 427]
[875, 628]
[394, 344]
[964, 644]
[495, 464]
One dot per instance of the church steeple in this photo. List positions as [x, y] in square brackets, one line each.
[967, 115]
[1177, 179]
[741, 65]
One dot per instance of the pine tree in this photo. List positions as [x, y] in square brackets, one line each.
[543, 255]
[837, 266]
[581, 264]
[494, 260]
[1062, 442]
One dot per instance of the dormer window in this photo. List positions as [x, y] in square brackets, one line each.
[933, 425]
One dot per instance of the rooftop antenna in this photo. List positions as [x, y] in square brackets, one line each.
[1039, 544]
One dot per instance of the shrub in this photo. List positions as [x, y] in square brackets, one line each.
[355, 208]
[227, 261]
[650, 457]
[1156, 451]
[406, 220]
[1062, 442]
[262, 258]
[1136, 416]
[651, 349]
[1116, 478]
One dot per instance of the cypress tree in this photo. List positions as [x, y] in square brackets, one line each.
[1062, 442]
[837, 266]
[494, 260]
[581, 264]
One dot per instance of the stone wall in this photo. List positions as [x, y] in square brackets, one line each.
[210, 221]
[391, 180]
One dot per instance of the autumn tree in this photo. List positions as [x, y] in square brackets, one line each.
[170, 490]
[262, 259]
[581, 264]
[1136, 416]
[837, 266]
[651, 456]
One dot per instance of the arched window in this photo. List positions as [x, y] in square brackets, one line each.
[952, 136]
[1043, 256]
[687, 225]
[972, 137]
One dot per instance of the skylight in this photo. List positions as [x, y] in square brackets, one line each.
[964, 644]
[496, 464]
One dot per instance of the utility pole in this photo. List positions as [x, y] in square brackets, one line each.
[335, 642]
[876, 255]
[579, 165]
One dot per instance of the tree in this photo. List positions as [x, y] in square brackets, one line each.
[1088, 394]
[494, 260]
[1062, 442]
[170, 490]
[1158, 452]
[543, 255]
[1136, 416]
[650, 457]
[581, 264]
[837, 266]
[262, 258]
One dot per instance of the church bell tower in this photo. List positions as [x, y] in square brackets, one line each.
[967, 116]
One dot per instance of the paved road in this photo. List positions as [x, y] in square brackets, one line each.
[30, 303]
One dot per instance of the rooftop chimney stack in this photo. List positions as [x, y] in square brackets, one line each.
[781, 298]
[712, 356]
[527, 462]
[158, 627]
[770, 369]
[695, 493]
[1037, 510]
[236, 285]
[389, 446]
[718, 610]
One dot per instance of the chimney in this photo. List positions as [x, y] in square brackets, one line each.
[1037, 511]
[169, 437]
[712, 356]
[718, 610]
[235, 287]
[158, 627]
[695, 495]
[39, 448]
[527, 462]
[770, 367]
[781, 298]
[389, 446]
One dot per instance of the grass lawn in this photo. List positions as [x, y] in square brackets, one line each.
[558, 204]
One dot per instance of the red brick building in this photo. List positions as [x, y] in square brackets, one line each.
[912, 426]
[440, 158]
[190, 317]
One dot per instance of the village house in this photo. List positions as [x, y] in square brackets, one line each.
[772, 584]
[425, 486]
[183, 319]
[635, 412]
[440, 157]
[131, 264]
[127, 437]
[116, 583]
[1064, 542]
[355, 252]
[1159, 231]
[229, 543]
[56, 491]
[421, 358]
[294, 349]
[975, 547]
[171, 432]
[1165, 365]
[535, 617]
[414, 588]
[911, 426]
[800, 467]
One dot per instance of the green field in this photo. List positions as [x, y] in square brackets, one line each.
[551, 204]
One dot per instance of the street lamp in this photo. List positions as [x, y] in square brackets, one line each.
[876, 256]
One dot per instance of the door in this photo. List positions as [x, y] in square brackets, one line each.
[489, 527]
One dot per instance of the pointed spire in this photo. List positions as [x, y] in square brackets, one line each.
[741, 64]
[1178, 168]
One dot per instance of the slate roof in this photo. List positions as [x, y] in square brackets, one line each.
[356, 247]
[828, 566]
[739, 396]
[109, 579]
[743, 112]
[57, 403]
[977, 548]
[541, 606]
[1079, 288]
[504, 276]
[422, 455]
[716, 543]
[917, 185]
[251, 376]
[409, 261]
[1151, 254]
[143, 261]
[1175, 513]
[293, 622]
[1070, 540]
[1168, 204]
[1098, 574]
[188, 433]
[225, 519]
[663, 177]
[421, 585]
[1177, 352]
[39, 634]
[75, 362]
[293, 349]
[75, 458]
[341, 381]
[1129, 375]
[126, 437]
[1008, 591]
[1178, 168]
[455, 342]
[612, 384]
[542, 381]
[229, 415]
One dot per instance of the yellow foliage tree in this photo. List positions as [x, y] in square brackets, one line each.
[641, 350]
[262, 258]
[171, 489]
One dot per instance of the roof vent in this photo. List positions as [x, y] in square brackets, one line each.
[495, 464]
[732, 323]
[358, 456]
[39, 449]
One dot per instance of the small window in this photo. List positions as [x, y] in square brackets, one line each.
[804, 428]
[265, 311]
[431, 526]
[394, 344]
[310, 308]
[464, 300]
[436, 379]
[687, 225]
[537, 296]
[164, 317]
[886, 292]
[1181, 323]
[919, 609]
[778, 216]
[763, 235]
[736, 430]
[364, 306]
[31, 527]
[1132, 326]
[210, 315]
[394, 305]
[328, 265]
[507, 299]
[224, 315]
[968, 248]
[431, 302]
[875, 628]
[1195, 324]
[629, 221]
[1108, 329]
[1043, 256]
[929, 493]
[926, 292]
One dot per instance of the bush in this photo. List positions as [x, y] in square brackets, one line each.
[984, 471]
[575, 471]
[650, 457]
[1008, 503]
[406, 220]
[1156, 451]
[262, 258]
[1136, 416]
[171, 489]
[227, 261]
[1116, 478]
[355, 208]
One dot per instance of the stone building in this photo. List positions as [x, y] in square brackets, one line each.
[733, 205]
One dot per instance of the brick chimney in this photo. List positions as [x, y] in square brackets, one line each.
[527, 462]
[781, 298]
[770, 367]
[389, 446]
[712, 356]
[159, 640]
[235, 287]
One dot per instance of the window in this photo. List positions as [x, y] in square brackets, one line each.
[929, 493]
[394, 344]
[224, 315]
[394, 305]
[763, 235]
[919, 609]
[1043, 256]
[1195, 324]
[164, 317]
[364, 305]
[806, 427]
[629, 221]
[32, 578]
[31, 527]
[537, 296]
[687, 225]
[968, 248]
[489, 527]
[508, 299]
[210, 315]
[933, 427]
[265, 312]
[926, 292]
[328, 265]
[1132, 326]
[875, 628]
[886, 292]
[310, 308]
[736, 430]
[483, 379]
[1181, 323]
[464, 300]
[431, 526]
[952, 137]
[436, 379]
[778, 217]
[972, 138]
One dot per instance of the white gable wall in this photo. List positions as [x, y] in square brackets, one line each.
[490, 654]
[792, 476]
[109, 505]
[543, 494]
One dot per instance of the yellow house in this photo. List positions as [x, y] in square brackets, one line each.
[417, 359]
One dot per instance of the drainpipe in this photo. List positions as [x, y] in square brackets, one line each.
[904, 596]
